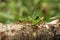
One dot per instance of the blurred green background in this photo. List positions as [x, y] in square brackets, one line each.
[28, 10]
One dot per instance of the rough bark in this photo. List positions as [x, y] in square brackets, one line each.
[31, 32]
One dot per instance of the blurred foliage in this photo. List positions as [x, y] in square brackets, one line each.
[28, 10]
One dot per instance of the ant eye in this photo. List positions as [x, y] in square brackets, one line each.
[36, 18]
